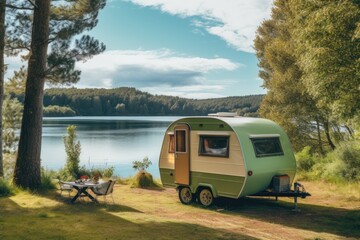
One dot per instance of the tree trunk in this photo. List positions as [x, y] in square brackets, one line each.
[2, 68]
[27, 169]
[319, 137]
[350, 131]
[327, 133]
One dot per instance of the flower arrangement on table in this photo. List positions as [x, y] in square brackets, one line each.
[82, 179]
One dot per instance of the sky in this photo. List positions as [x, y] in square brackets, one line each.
[188, 48]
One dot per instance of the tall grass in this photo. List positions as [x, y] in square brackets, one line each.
[47, 182]
[144, 179]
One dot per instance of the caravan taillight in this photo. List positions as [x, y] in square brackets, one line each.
[250, 173]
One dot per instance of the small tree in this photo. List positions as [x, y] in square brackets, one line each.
[141, 166]
[143, 179]
[73, 150]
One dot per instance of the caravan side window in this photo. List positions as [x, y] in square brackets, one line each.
[217, 146]
[266, 147]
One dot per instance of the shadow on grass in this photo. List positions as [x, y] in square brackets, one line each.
[342, 222]
[88, 205]
[90, 220]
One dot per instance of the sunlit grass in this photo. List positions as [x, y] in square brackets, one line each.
[335, 190]
[26, 199]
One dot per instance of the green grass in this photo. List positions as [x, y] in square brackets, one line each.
[154, 214]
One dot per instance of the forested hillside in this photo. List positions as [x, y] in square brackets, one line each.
[130, 101]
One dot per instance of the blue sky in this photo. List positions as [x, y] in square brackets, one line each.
[187, 48]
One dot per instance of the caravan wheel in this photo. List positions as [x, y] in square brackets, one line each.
[185, 195]
[206, 197]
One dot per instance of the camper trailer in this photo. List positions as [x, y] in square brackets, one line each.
[224, 155]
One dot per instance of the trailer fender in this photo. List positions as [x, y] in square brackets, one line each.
[206, 185]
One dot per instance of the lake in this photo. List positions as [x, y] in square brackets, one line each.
[106, 141]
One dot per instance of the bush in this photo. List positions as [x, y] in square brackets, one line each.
[9, 165]
[83, 171]
[304, 159]
[142, 165]
[5, 188]
[345, 161]
[107, 172]
[340, 165]
[143, 179]
[47, 179]
[73, 151]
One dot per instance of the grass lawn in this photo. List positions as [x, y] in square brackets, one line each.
[331, 213]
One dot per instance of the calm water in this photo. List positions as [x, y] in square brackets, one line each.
[106, 141]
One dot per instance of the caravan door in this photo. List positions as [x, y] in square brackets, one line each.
[182, 154]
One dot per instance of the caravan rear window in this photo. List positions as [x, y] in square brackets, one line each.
[217, 146]
[266, 147]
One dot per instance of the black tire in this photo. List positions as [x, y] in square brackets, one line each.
[205, 197]
[186, 196]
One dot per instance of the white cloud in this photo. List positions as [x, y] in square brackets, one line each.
[235, 21]
[196, 91]
[147, 69]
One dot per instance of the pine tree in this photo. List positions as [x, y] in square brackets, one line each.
[53, 26]
[27, 169]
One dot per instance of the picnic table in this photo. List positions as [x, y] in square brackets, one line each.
[82, 190]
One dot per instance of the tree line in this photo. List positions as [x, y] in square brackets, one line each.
[130, 101]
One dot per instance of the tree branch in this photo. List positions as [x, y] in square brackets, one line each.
[18, 8]
[32, 3]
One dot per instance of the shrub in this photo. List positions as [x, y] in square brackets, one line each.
[5, 188]
[106, 172]
[340, 165]
[142, 165]
[47, 179]
[93, 173]
[73, 150]
[9, 165]
[304, 159]
[346, 161]
[143, 179]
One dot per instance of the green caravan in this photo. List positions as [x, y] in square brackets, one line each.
[224, 155]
